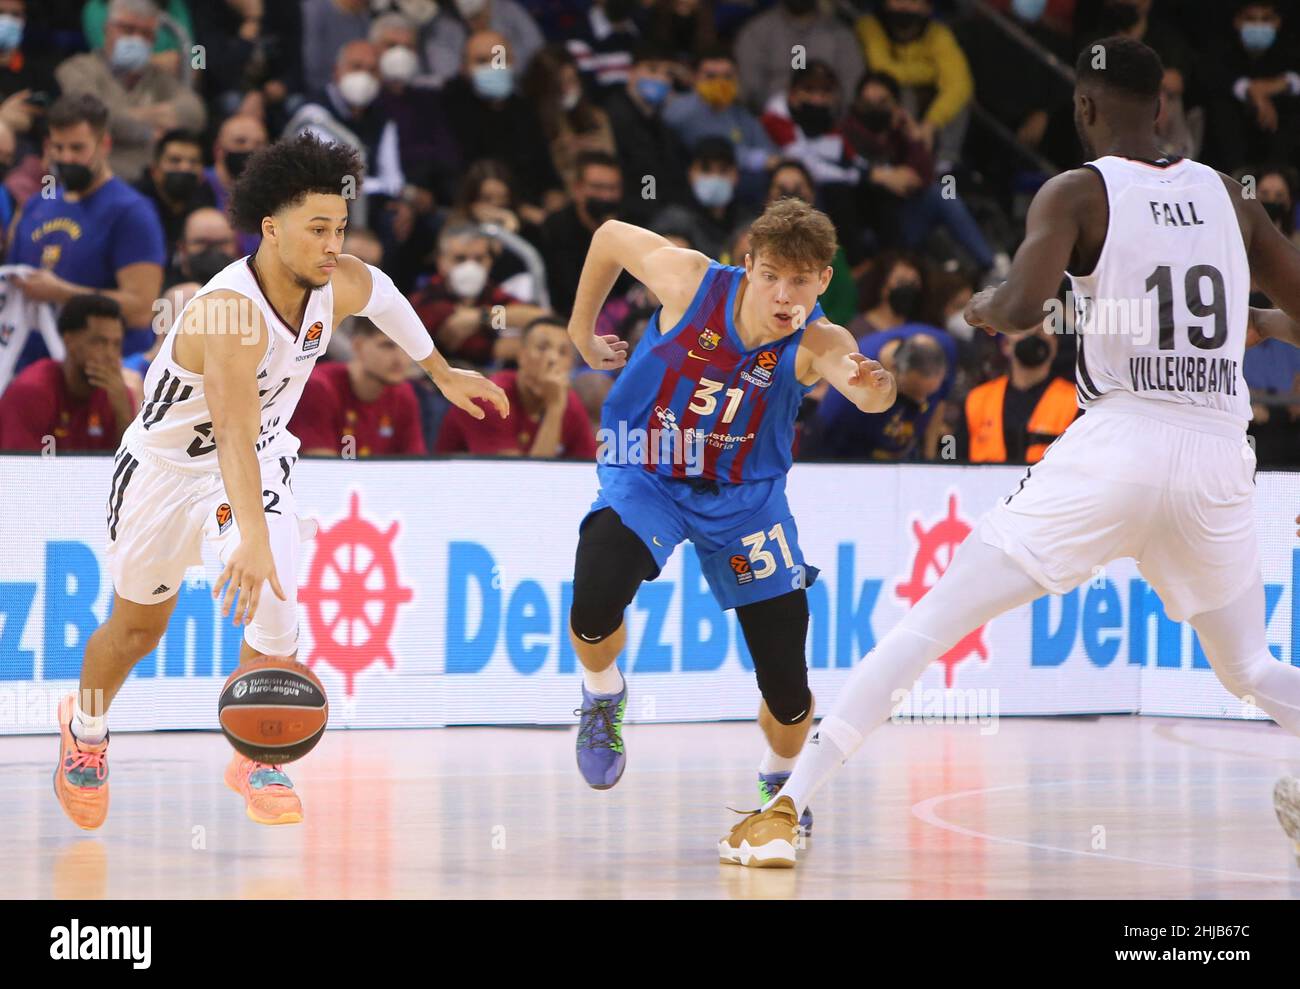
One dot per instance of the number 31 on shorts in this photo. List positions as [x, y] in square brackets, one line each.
[764, 563]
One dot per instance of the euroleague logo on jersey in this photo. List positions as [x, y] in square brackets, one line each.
[709, 339]
[760, 373]
[224, 517]
[743, 571]
[312, 340]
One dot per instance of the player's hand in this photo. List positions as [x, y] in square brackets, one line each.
[868, 373]
[975, 308]
[463, 387]
[250, 564]
[605, 353]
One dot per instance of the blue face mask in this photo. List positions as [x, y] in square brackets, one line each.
[713, 190]
[493, 84]
[653, 91]
[11, 32]
[1028, 10]
[130, 53]
[1257, 37]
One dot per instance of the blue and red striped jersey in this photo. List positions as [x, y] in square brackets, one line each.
[694, 402]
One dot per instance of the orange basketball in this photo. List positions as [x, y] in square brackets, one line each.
[273, 710]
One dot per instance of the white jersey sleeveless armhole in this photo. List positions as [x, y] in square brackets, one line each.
[1163, 314]
[174, 423]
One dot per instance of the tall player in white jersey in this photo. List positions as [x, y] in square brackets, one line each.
[209, 456]
[1158, 469]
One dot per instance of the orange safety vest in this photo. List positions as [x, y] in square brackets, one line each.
[1054, 412]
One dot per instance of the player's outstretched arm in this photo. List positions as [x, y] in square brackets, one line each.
[671, 273]
[1051, 230]
[363, 290]
[230, 358]
[833, 355]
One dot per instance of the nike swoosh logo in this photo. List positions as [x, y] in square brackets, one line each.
[698, 357]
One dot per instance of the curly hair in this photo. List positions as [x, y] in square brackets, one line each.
[283, 174]
[792, 232]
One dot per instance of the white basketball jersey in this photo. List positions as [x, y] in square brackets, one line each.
[1163, 314]
[174, 422]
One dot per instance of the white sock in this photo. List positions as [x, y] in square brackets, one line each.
[86, 729]
[773, 763]
[607, 681]
[818, 761]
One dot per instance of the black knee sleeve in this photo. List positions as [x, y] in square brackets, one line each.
[610, 565]
[775, 631]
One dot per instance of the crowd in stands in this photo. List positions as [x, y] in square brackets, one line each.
[497, 135]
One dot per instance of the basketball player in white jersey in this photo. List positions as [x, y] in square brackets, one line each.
[210, 456]
[1158, 469]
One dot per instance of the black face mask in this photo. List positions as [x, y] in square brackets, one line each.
[235, 162]
[73, 177]
[904, 299]
[1275, 210]
[812, 119]
[1032, 351]
[903, 25]
[207, 264]
[600, 209]
[875, 118]
[179, 186]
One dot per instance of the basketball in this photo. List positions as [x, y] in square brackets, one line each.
[273, 710]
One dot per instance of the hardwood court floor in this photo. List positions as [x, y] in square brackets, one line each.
[1043, 808]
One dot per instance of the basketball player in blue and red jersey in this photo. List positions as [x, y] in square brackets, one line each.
[698, 432]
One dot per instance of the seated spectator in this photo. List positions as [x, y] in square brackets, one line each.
[80, 402]
[713, 212]
[685, 28]
[1277, 189]
[491, 120]
[95, 235]
[1015, 417]
[166, 52]
[893, 293]
[144, 101]
[547, 418]
[923, 362]
[1272, 373]
[238, 137]
[840, 300]
[207, 245]
[1256, 110]
[8, 156]
[487, 197]
[905, 41]
[328, 25]
[448, 31]
[713, 109]
[25, 71]
[174, 182]
[604, 44]
[430, 156]
[902, 201]
[570, 120]
[1179, 130]
[803, 124]
[469, 318]
[566, 234]
[648, 150]
[763, 50]
[364, 407]
[253, 58]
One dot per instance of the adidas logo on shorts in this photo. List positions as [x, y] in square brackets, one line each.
[161, 588]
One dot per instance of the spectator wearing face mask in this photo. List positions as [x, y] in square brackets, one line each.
[237, 140]
[491, 120]
[363, 407]
[166, 45]
[207, 244]
[648, 148]
[1276, 188]
[175, 183]
[469, 318]
[25, 70]
[547, 418]
[80, 402]
[566, 234]
[430, 155]
[96, 235]
[1016, 416]
[803, 123]
[905, 41]
[713, 212]
[449, 31]
[893, 293]
[713, 109]
[144, 101]
[570, 120]
[763, 49]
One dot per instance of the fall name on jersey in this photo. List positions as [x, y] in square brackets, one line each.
[1183, 373]
[1173, 214]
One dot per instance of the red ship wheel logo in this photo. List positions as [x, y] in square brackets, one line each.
[934, 550]
[352, 594]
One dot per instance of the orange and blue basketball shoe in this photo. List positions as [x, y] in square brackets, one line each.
[769, 785]
[81, 777]
[601, 758]
[267, 791]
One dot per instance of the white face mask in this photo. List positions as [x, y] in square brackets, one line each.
[398, 64]
[359, 89]
[467, 279]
